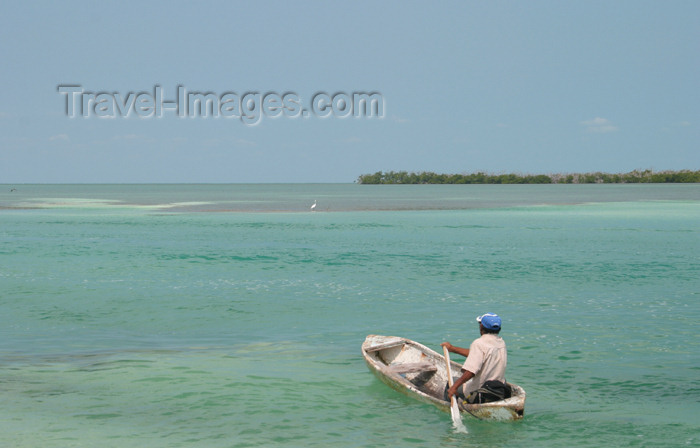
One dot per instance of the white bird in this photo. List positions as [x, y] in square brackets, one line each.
[313, 207]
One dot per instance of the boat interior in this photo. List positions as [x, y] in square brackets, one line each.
[421, 370]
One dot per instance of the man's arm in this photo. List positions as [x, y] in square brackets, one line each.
[459, 350]
[466, 376]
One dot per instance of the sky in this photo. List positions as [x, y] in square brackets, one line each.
[544, 86]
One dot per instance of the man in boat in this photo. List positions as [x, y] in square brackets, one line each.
[486, 359]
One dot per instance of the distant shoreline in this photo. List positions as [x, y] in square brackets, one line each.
[633, 177]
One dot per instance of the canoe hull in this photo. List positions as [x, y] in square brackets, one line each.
[418, 371]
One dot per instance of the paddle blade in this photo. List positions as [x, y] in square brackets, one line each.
[457, 417]
[454, 410]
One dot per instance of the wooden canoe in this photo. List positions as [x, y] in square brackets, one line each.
[420, 372]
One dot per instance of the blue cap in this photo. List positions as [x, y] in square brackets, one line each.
[490, 321]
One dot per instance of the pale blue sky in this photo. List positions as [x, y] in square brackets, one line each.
[498, 86]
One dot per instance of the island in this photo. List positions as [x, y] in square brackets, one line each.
[636, 177]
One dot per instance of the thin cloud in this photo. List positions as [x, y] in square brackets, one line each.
[599, 125]
[59, 137]
[244, 143]
[212, 142]
[354, 139]
[127, 137]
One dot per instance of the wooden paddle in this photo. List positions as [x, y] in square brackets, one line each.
[454, 409]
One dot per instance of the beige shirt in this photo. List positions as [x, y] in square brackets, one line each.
[487, 361]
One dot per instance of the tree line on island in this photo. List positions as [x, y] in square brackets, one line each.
[633, 177]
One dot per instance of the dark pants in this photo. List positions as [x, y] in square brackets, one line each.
[460, 392]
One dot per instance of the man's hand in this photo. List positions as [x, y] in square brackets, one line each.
[451, 391]
[459, 350]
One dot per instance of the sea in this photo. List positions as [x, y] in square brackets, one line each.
[220, 315]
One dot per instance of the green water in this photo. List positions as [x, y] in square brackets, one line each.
[231, 316]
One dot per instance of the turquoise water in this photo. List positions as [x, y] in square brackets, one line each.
[231, 316]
